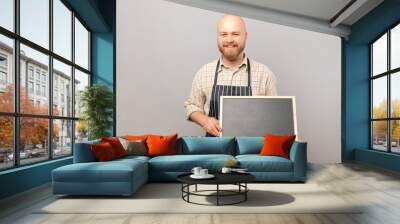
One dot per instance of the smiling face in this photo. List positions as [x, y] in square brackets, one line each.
[232, 37]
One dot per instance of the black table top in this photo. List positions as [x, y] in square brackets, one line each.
[220, 178]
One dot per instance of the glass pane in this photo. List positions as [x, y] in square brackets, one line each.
[81, 45]
[6, 142]
[7, 14]
[81, 131]
[395, 94]
[6, 74]
[35, 21]
[395, 136]
[34, 97]
[395, 47]
[379, 97]
[379, 55]
[81, 81]
[62, 89]
[62, 29]
[62, 138]
[379, 135]
[33, 139]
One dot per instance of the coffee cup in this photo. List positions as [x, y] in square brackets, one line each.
[226, 170]
[203, 172]
[196, 171]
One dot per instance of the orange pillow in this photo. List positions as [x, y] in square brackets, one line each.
[161, 145]
[135, 138]
[116, 145]
[275, 145]
[103, 152]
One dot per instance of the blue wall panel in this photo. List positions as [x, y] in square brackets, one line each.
[356, 92]
[24, 178]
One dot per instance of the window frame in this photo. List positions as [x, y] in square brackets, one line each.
[15, 72]
[388, 74]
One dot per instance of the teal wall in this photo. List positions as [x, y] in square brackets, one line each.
[24, 178]
[356, 85]
[99, 15]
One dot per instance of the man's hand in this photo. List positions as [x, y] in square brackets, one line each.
[209, 124]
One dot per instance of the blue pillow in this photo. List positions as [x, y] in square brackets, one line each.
[207, 145]
[249, 145]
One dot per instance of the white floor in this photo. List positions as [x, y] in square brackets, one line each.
[377, 189]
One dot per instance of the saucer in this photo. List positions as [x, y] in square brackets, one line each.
[208, 176]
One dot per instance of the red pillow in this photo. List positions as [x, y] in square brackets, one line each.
[161, 145]
[103, 151]
[275, 145]
[116, 145]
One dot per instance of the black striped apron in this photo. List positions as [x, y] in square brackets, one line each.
[227, 90]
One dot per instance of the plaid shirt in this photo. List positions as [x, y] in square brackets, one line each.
[263, 83]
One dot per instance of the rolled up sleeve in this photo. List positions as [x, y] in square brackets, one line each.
[196, 100]
[270, 87]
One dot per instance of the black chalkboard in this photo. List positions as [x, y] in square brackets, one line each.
[258, 115]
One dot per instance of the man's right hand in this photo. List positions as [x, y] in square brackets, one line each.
[211, 126]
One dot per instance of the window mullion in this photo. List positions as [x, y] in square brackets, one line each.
[73, 82]
[50, 81]
[389, 101]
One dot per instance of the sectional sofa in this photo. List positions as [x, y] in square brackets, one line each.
[125, 176]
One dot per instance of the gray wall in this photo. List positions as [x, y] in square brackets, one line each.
[160, 46]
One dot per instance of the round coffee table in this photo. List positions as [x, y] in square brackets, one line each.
[238, 179]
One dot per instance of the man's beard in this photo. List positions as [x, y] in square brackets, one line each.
[231, 54]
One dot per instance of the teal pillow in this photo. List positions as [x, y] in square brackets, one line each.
[207, 145]
[249, 145]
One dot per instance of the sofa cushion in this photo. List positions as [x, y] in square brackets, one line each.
[116, 145]
[111, 171]
[249, 145]
[207, 145]
[277, 145]
[257, 163]
[185, 163]
[161, 145]
[134, 147]
[83, 152]
[103, 152]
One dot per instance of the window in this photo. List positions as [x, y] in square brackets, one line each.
[385, 91]
[7, 14]
[30, 72]
[3, 78]
[43, 90]
[44, 131]
[62, 29]
[30, 87]
[81, 45]
[3, 61]
[35, 21]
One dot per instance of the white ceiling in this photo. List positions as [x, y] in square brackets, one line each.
[315, 15]
[319, 9]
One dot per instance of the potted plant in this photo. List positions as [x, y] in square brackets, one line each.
[96, 102]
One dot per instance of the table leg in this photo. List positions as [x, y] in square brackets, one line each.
[245, 193]
[196, 188]
[217, 194]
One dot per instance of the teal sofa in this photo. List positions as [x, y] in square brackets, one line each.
[125, 176]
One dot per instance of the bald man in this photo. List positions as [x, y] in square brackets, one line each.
[233, 74]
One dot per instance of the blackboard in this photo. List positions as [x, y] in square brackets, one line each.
[258, 115]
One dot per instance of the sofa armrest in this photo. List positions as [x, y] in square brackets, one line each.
[83, 152]
[298, 155]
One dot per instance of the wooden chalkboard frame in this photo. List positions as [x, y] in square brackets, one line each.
[293, 98]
